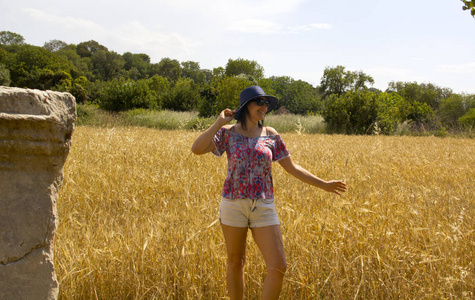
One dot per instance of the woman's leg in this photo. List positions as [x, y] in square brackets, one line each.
[235, 238]
[269, 241]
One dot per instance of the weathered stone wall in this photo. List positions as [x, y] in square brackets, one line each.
[35, 137]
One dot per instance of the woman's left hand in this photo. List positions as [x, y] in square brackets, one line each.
[335, 186]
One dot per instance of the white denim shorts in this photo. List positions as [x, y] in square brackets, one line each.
[248, 212]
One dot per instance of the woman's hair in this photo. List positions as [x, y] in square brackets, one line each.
[242, 118]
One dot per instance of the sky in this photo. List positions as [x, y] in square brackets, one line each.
[405, 40]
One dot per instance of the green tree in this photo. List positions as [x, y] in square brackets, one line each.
[224, 94]
[351, 113]
[160, 86]
[338, 81]
[78, 89]
[469, 5]
[423, 93]
[468, 120]
[392, 109]
[121, 95]
[137, 65]
[243, 66]
[4, 75]
[420, 113]
[80, 65]
[89, 48]
[450, 110]
[280, 84]
[218, 72]
[208, 100]
[55, 45]
[107, 64]
[11, 38]
[170, 69]
[191, 69]
[35, 67]
[183, 96]
[300, 97]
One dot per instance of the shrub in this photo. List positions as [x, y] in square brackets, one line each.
[120, 95]
[468, 120]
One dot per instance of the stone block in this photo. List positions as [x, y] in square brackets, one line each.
[35, 138]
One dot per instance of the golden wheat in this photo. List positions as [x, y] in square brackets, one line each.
[138, 219]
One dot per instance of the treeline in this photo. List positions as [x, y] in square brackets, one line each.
[115, 82]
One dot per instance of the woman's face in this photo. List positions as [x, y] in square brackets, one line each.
[256, 112]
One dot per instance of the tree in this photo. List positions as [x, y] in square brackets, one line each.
[170, 69]
[89, 48]
[423, 93]
[338, 81]
[11, 38]
[183, 96]
[191, 69]
[392, 109]
[121, 95]
[107, 64]
[4, 76]
[160, 86]
[360, 81]
[78, 89]
[469, 5]
[420, 113]
[450, 110]
[81, 65]
[224, 94]
[300, 97]
[55, 45]
[351, 113]
[468, 120]
[138, 63]
[243, 66]
[35, 67]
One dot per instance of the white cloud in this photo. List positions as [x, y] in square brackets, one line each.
[128, 36]
[268, 27]
[133, 35]
[383, 75]
[236, 9]
[311, 27]
[467, 68]
[69, 23]
[255, 26]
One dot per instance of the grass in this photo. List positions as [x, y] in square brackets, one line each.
[91, 115]
[169, 120]
[138, 218]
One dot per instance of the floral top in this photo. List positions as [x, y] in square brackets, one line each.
[249, 163]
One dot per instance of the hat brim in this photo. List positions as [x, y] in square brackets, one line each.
[273, 103]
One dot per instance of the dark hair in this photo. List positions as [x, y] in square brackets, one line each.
[242, 118]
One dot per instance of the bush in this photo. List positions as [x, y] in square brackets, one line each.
[351, 113]
[468, 120]
[392, 110]
[451, 110]
[184, 96]
[121, 95]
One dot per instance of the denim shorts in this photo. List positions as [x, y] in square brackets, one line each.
[248, 212]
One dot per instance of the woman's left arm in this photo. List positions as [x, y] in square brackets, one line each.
[332, 186]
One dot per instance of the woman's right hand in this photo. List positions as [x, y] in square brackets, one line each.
[226, 116]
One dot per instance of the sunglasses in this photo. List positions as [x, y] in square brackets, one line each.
[261, 102]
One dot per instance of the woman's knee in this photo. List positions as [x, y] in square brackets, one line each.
[278, 267]
[236, 262]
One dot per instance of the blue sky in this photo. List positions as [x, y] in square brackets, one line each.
[405, 40]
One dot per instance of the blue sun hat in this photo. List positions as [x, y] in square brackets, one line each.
[251, 93]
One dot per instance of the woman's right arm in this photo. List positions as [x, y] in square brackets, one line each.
[204, 143]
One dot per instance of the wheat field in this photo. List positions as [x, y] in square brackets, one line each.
[138, 219]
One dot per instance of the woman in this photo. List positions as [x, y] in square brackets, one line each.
[247, 199]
